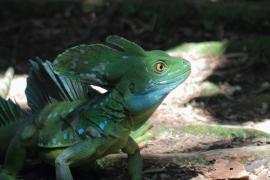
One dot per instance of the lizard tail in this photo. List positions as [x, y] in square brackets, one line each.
[6, 82]
[9, 112]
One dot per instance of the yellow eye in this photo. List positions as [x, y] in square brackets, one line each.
[160, 67]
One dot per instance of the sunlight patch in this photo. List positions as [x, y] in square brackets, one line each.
[99, 89]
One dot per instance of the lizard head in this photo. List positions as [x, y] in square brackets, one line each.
[152, 74]
[152, 77]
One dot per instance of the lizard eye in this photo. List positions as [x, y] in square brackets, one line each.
[160, 67]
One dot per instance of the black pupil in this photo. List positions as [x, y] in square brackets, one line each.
[160, 66]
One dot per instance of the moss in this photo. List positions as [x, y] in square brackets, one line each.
[149, 135]
[213, 48]
[211, 89]
[223, 131]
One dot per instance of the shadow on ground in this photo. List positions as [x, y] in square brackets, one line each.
[250, 103]
[155, 169]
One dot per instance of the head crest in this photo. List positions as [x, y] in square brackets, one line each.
[129, 47]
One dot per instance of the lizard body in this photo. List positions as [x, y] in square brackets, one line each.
[71, 124]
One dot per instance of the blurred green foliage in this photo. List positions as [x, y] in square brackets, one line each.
[213, 48]
[203, 13]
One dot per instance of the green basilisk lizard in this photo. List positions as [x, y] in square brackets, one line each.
[70, 123]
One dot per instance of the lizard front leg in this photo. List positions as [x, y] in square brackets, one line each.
[86, 150]
[134, 159]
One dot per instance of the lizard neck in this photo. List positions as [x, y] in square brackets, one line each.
[140, 117]
[116, 106]
[133, 109]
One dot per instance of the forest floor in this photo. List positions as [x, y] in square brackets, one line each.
[205, 130]
[213, 126]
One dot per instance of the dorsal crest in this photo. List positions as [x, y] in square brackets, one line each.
[96, 64]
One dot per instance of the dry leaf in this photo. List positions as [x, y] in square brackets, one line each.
[228, 169]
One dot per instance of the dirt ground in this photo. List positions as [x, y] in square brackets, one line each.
[241, 99]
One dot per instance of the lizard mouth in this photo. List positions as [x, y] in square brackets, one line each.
[166, 86]
[176, 80]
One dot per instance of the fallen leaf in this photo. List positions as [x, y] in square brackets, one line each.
[228, 169]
